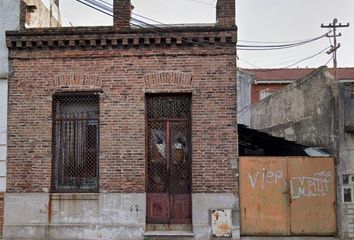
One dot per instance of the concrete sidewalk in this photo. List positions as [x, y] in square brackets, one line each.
[288, 238]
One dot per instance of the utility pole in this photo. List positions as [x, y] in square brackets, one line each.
[335, 46]
[333, 26]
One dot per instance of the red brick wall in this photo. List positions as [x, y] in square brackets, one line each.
[225, 12]
[257, 88]
[122, 112]
[122, 13]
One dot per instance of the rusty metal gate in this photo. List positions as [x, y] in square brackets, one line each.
[168, 159]
[287, 196]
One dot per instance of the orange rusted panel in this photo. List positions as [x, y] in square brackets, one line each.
[312, 192]
[264, 196]
[287, 196]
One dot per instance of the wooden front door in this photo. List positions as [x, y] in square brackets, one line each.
[168, 159]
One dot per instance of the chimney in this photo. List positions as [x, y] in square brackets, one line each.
[122, 10]
[225, 13]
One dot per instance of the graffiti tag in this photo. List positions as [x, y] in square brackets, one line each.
[265, 177]
[314, 186]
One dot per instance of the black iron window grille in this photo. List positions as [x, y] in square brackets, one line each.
[75, 143]
[169, 144]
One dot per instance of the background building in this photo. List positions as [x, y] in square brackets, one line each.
[317, 110]
[16, 14]
[254, 85]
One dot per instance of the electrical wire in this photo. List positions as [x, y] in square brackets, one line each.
[277, 42]
[202, 43]
[212, 3]
[95, 8]
[102, 11]
[103, 7]
[275, 47]
[202, 2]
[307, 58]
[288, 66]
[247, 108]
[99, 4]
[295, 44]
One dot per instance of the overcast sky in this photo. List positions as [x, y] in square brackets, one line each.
[257, 20]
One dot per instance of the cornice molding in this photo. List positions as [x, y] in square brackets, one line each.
[96, 38]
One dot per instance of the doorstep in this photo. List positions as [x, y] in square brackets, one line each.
[168, 234]
[289, 238]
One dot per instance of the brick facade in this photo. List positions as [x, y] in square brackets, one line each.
[122, 13]
[122, 64]
[122, 74]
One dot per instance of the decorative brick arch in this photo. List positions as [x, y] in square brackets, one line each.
[77, 82]
[169, 79]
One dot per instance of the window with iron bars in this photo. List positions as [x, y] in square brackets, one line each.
[75, 143]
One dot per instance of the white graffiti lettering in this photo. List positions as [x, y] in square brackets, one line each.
[265, 177]
[314, 186]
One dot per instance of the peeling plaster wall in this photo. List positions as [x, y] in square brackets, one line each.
[100, 216]
[346, 157]
[74, 216]
[244, 84]
[203, 203]
[42, 16]
[302, 111]
[10, 20]
[3, 137]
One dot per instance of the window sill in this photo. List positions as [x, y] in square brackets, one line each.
[168, 234]
[74, 196]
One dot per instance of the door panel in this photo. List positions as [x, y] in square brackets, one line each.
[180, 173]
[264, 196]
[158, 207]
[312, 182]
[157, 155]
[181, 209]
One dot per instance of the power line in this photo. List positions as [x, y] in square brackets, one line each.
[212, 4]
[288, 66]
[247, 108]
[307, 58]
[275, 47]
[202, 43]
[106, 8]
[240, 47]
[295, 44]
[102, 11]
[95, 8]
[277, 42]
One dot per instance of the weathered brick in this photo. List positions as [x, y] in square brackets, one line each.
[110, 61]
